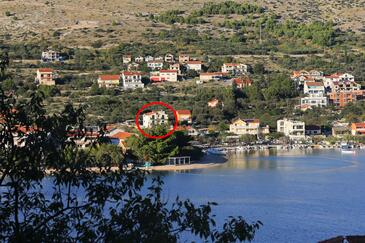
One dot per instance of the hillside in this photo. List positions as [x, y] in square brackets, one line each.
[82, 23]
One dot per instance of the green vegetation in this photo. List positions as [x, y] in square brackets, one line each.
[158, 151]
[53, 189]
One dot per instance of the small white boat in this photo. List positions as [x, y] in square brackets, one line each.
[216, 151]
[347, 148]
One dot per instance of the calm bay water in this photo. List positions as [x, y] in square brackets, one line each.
[300, 196]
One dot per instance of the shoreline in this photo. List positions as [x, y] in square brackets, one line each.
[204, 163]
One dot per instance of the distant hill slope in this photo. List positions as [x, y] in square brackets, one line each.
[82, 22]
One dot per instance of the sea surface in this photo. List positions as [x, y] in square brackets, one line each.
[300, 196]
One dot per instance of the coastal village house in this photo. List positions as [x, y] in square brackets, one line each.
[311, 130]
[234, 68]
[314, 100]
[176, 66]
[247, 127]
[148, 58]
[184, 58]
[295, 130]
[358, 128]
[132, 80]
[45, 76]
[242, 82]
[127, 59]
[109, 81]
[159, 58]
[154, 118]
[314, 88]
[139, 59]
[194, 65]
[168, 75]
[119, 137]
[340, 129]
[342, 98]
[184, 116]
[51, 56]
[169, 58]
[155, 65]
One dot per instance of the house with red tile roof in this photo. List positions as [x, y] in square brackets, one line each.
[184, 116]
[168, 75]
[194, 65]
[312, 87]
[358, 128]
[242, 82]
[45, 76]
[109, 80]
[234, 68]
[132, 80]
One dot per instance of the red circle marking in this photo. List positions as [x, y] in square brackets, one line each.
[153, 104]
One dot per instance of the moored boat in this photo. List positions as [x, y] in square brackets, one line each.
[216, 151]
[347, 148]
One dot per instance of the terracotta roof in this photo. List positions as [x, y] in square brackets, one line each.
[334, 75]
[314, 83]
[109, 77]
[168, 71]
[122, 135]
[359, 125]
[126, 73]
[157, 79]
[242, 81]
[183, 112]
[45, 70]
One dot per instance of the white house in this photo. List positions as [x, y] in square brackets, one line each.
[132, 80]
[109, 81]
[154, 118]
[155, 64]
[311, 87]
[169, 58]
[168, 75]
[314, 100]
[139, 59]
[194, 65]
[148, 58]
[234, 68]
[159, 58]
[347, 77]
[51, 56]
[295, 130]
[247, 127]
